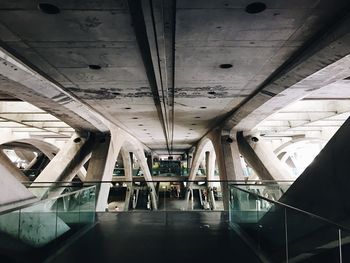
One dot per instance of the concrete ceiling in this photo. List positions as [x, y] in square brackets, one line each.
[19, 120]
[318, 115]
[161, 75]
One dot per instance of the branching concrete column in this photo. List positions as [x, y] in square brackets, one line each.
[8, 167]
[210, 167]
[197, 158]
[227, 156]
[102, 163]
[128, 177]
[65, 165]
[262, 159]
[140, 155]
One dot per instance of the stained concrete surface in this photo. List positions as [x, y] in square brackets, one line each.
[158, 237]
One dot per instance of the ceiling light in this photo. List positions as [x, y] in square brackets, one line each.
[255, 8]
[225, 66]
[48, 8]
[94, 67]
[77, 140]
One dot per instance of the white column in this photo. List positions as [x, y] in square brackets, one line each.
[101, 165]
[66, 164]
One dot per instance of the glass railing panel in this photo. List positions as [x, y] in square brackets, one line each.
[246, 207]
[282, 233]
[39, 224]
[68, 209]
[311, 239]
[247, 212]
[172, 196]
[344, 250]
[9, 224]
[272, 191]
[42, 222]
[87, 201]
[271, 234]
[190, 196]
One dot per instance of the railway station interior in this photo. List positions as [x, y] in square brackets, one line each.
[174, 131]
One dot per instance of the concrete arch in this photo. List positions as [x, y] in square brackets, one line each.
[204, 145]
[48, 149]
[284, 147]
[133, 145]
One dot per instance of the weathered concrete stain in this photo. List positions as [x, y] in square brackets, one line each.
[217, 91]
[110, 93]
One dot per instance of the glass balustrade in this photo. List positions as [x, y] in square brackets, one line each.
[280, 233]
[277, 232]
[42, 222]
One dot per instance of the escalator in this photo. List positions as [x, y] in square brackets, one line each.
[197, 204]
[141, 200]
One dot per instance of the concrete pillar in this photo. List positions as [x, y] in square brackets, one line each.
[190, 154]
[210, 161]
[227, 156]
[207, 154]
[202, 165]
[262, 159]
[9, 168]
[102, 163]
[128, 177]
[150, 161]
[198, 155]
[65, 165]
[140, 155]
[131, 159]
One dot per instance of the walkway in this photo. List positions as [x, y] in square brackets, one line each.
[158, 237]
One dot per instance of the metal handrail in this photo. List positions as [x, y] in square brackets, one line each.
[330, 222]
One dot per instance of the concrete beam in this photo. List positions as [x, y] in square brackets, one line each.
[8, 167]
[66, 164]
[322, 61]
[262, 159]
[160, 25]
[12, 191]
[25, 83]
[145, 34]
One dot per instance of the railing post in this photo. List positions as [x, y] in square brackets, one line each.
[286, 233]
[340, 244]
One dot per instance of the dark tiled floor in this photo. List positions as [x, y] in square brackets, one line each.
[158, 237]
